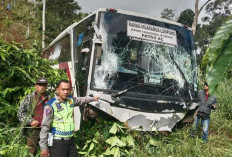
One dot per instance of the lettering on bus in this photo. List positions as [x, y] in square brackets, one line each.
[151, 33]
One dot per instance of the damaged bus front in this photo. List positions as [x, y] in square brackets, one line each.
[142, 68]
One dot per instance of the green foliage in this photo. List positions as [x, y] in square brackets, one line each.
[168, 14]
[219, 56]
[205, 60]
[107, 138]
[186, 17]
[19, 70]
[218, 8]
[217, 11]
[224, 93]
[12, 145]
[120, 142]
[59, 15]
[110, 139]
[90, 147]
[21, 24]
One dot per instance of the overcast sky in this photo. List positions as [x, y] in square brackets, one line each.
[151, 7]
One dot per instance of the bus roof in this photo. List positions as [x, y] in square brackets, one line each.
[66, 31]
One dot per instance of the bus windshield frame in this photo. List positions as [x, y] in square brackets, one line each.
[166, 67]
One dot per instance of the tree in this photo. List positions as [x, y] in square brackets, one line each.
[186, 17]
[168, 14]
[202, 38]
[59, 15]
[217, 11]
[197, 12]
[219, 8]
[43, 24]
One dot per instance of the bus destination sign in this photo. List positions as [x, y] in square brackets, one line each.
[151, 33]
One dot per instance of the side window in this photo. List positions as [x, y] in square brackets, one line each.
[61, 51]
[85, 54]
[85, 34]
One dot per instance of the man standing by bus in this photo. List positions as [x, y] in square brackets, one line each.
[58, 123]
[207, 102]
[31, 112]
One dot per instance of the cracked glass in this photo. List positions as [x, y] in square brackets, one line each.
[165, 67]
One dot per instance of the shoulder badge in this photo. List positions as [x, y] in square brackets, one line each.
[70, 103]
[48, 111]
[59, 107]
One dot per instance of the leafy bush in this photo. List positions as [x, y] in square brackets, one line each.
[19, 71]
[104, 138]
[14, 145]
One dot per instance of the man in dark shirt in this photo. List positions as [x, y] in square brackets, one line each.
[207, 102]
[31, 113]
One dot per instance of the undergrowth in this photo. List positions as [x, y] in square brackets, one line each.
[109, 137]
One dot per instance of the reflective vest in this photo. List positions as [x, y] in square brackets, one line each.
[63, 124]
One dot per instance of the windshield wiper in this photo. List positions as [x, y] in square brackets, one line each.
[186, 83]
[125, 90]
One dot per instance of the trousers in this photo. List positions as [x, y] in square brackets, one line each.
[204, 124]
[63, 148]
[33, 140]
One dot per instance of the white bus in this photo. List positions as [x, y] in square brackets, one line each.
[142, 68]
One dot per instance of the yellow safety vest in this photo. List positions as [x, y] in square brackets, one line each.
[63, 124]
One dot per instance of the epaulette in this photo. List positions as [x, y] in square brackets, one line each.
[50, 102]
[70, 96]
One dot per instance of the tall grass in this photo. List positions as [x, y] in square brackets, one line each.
[13, 138]
[180, 144]
[224, 94]
[12, 142]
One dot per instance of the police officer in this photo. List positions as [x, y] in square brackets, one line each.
[58, 121]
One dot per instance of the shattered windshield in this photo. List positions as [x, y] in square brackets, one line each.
[136, 50]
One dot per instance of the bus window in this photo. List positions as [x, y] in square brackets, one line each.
[85, 34]
[61, 51]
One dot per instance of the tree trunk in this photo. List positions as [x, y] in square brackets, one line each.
[43, 23]
[197, 12]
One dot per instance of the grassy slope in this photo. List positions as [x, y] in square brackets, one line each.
[20, 25]
[179, 142]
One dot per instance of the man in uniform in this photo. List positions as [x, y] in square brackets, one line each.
[58, 122]
[207, 102]
[31, 112]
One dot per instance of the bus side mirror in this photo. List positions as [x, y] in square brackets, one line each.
[98, 49]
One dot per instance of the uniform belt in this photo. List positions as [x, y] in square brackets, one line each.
[62, 138]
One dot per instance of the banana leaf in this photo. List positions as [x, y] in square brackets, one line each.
[219, 41]
[220, 67]
[219, 55]
[205, 60]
